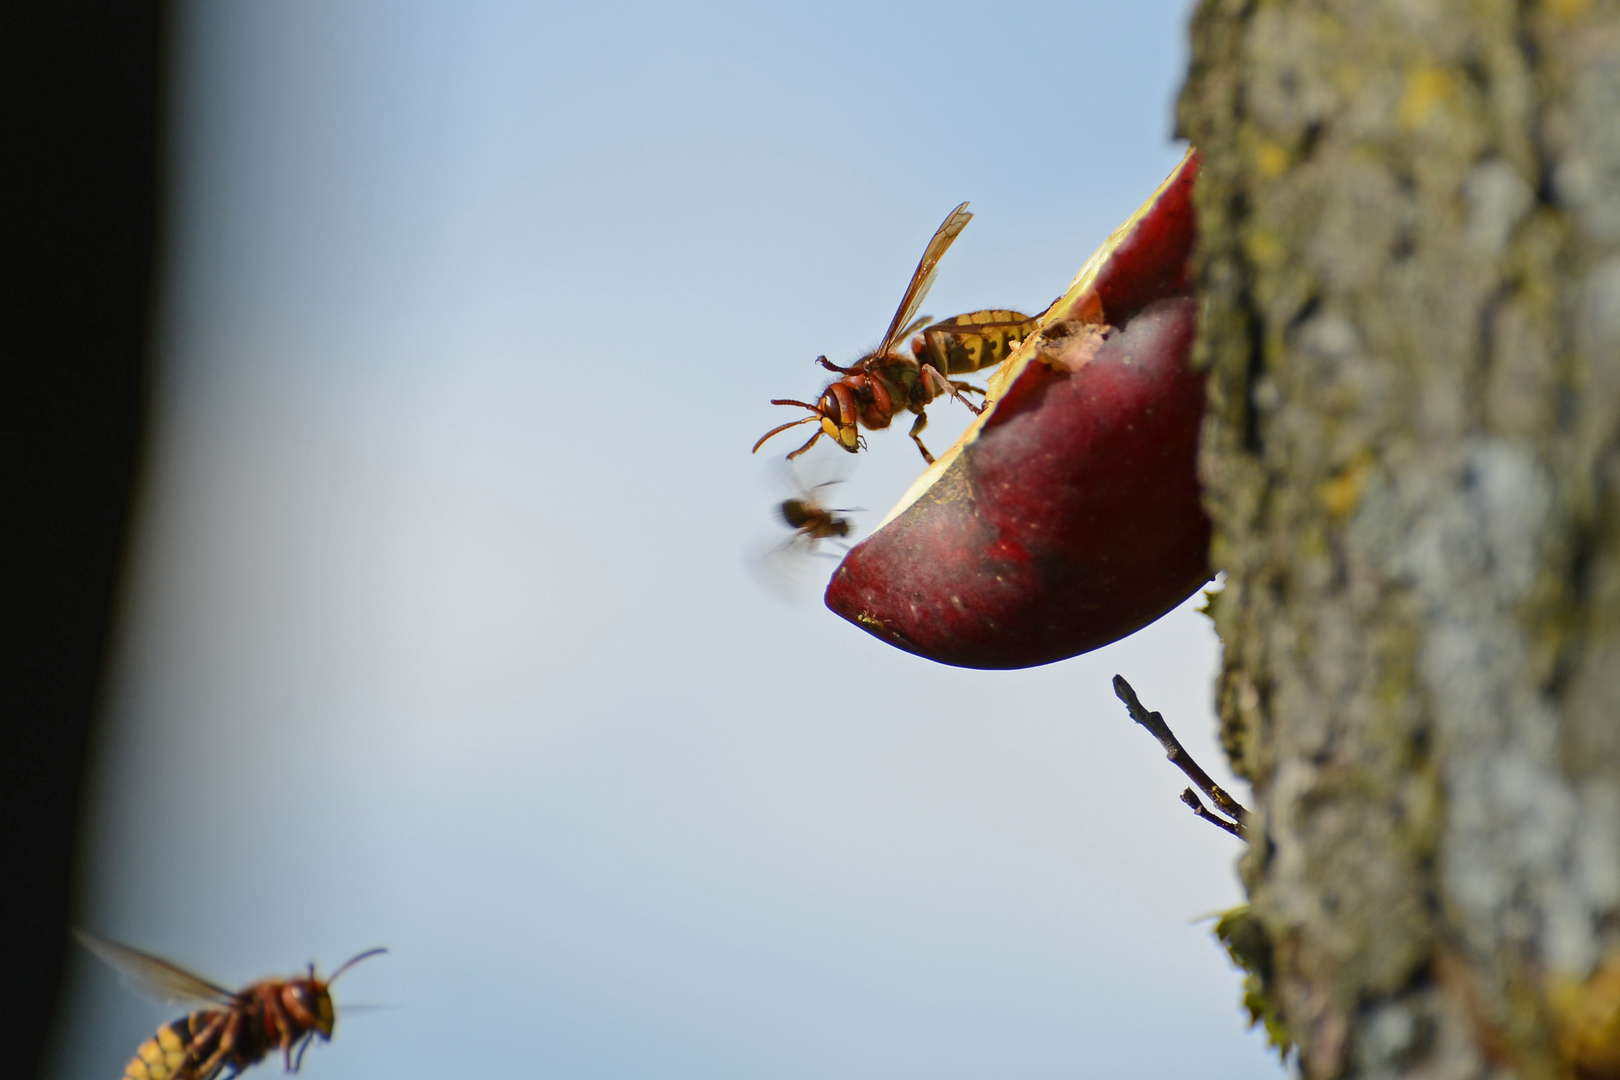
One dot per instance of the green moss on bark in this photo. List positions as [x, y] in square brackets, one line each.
[1409, 268]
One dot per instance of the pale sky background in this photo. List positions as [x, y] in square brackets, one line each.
[442, 632]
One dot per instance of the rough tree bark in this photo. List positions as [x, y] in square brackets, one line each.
[1410, 271]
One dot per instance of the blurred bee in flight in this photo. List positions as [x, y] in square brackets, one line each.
[236, 1030]
[810, 521]
[785, 567]
[886, 381]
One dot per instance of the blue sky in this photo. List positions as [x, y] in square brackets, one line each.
[445, 629]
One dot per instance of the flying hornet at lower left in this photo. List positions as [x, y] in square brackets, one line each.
[236, 1029]
[887, 381]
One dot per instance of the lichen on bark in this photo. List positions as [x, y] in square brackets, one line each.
[1409, 270]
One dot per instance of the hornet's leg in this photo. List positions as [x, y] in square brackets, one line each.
[202, 1052]
[284, 1022]
[916, 432]
[807, 445]
[226, 1048]
[939, 386]
[960, 388]
[830, 366]
[303, 1044]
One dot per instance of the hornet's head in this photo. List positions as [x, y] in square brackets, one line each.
[309, 1000]
[837, 413]
[309, 1004]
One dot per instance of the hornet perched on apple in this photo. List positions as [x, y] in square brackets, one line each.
[872, 391]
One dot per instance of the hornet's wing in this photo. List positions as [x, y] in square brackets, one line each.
[154, 976]
[922, 279]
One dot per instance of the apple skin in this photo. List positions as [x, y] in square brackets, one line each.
[1071, 515]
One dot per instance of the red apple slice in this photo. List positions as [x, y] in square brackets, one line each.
[1068, 515]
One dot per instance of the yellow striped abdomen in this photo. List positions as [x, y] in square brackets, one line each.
[171, 1054]
[977, 340]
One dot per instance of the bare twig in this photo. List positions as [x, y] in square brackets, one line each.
[1178, 754]
[1190, 797]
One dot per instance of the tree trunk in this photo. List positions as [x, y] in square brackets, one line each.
[1410, 271]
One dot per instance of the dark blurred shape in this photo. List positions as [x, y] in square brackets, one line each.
[811, 522]
[794, 570]
[81, 228]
